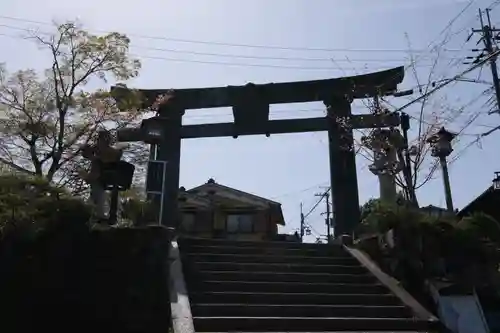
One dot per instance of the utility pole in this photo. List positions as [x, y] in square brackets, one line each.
[326, 196]
[489, 39]
[302, 223]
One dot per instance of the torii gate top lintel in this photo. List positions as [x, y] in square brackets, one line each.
[359, 86]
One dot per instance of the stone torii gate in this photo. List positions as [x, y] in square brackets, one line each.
[250, 105]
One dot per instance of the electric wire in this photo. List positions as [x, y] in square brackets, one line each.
[493, 5]
[11, 18]
[448, 81]
[226, 55]
[239, 64]
[315, 205]
[412, 65]
[438, 47]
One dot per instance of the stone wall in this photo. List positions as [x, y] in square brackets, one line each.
[88, 281]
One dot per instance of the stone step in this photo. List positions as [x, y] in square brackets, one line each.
[292, 298]
[283, 277]
[267, 244]
[264, 250]
[250, 258]
[289, 287]
[298, 310]
[275, 267]
[300, 324]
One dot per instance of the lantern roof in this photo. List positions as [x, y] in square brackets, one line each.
[442, 134]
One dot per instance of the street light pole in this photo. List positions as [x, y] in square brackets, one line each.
[441, 148]
[446, 183]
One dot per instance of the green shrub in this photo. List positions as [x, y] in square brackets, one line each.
[138, 210]
[379, 217]
[433, 245]
[481, 226]
[30, 205]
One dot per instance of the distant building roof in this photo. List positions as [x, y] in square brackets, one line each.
[251, 199]
[211, 183]
[432, 207]
[487, 202]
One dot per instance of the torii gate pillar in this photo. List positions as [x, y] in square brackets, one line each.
[343, 177]
[165, 177]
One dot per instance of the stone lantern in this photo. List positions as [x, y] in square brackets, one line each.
[441, 143]
[384, 143]
[441, 148]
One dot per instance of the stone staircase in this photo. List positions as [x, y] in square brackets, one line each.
[237, 286]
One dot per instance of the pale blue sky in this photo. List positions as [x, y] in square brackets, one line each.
[287, 168]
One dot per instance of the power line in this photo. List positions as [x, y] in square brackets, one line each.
[448, 81]
[439, 46]
[208, 62]
[456, 114]
[493, 4]
[258, 57]
[445, 40]
[298, 191]
[488, 37]
[310, 187]
[462, 151]
[244, 64]
[254, 65]
[461, 133]
[473, 142]
[236, 44]
[476, 141]
[326, 196]
[452, 21]
[243, 56]
[315, 205]
[229, 113]
[225, 55]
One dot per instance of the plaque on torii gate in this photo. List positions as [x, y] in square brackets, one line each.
[250, 105]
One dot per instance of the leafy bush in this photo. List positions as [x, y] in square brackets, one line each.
[135, 209]
[440, 246]
[30, 205]
[481, 226]
[379, 217]
[138, 211]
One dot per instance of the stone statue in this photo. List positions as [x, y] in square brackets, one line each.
[99, 154]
